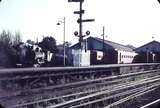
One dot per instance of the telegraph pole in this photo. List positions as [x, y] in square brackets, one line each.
[103, 38]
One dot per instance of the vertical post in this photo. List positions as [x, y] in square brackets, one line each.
[103, 38]
[80, 33]
[64, 32]
[103, 45]
[147, 55]
[64, 52]
[80, 25]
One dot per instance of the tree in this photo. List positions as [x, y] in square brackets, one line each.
[7, 52]
[5, 39]
[30, 42]
[48, 44]
[17, 38]
[5, 49]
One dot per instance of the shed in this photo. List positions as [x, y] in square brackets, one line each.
[149, 52]
[106, 52]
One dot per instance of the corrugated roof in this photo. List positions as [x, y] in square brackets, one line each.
[150, 43]
[151, 46]
[115, 45]
[109, 43]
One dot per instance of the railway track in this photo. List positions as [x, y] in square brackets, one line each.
[97, 92]
[78, 90]
[111, 94]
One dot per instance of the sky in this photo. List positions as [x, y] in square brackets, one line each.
[132, 22]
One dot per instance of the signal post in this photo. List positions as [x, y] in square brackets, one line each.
[82, 55]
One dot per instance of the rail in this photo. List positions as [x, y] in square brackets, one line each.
[20, 70]
[51, 86]
[57, 71]
[154, 104]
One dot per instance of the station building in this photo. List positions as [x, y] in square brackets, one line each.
[98, 51]
[149, 52]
